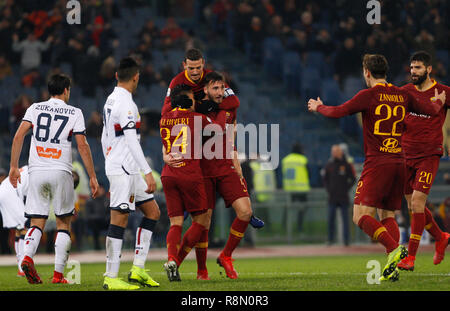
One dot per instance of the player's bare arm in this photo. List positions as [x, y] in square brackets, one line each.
[86, 156]
[16, 149]
[151, 183]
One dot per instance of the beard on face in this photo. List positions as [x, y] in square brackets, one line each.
[417, 80]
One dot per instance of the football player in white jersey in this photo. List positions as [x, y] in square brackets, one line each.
[124, 160]
[12, 208]
[54, 123]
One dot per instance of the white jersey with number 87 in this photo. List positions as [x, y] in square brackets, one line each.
[54, 124]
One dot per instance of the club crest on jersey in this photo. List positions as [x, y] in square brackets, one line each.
[391, 145]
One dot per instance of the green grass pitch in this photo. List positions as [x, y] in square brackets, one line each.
[325, 273]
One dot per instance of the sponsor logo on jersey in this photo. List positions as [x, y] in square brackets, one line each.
[391, 145]
[52, 153]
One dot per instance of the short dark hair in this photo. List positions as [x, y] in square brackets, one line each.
[213, 76]
[193, 54]
[421, 56]
[179, 96]
[128, 68]
[377, 64]
[57, 84]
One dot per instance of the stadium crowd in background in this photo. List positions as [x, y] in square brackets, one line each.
[335, 28]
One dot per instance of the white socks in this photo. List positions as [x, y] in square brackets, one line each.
[62, 248]
[143, 239]
[114, 241]
[113, 253]
[32, 239]
[18, 247]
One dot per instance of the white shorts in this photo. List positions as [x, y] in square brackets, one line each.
[127, 192]
[50, 188]
[12, 208]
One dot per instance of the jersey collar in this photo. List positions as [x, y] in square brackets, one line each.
[189, 79]
[123, 91]
[432, 85]
[57, 101]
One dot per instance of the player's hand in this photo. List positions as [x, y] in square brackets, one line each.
[314, 103]
[93, 183]
[173, 159]
[14, 176]
[151, 183]
[441, 96]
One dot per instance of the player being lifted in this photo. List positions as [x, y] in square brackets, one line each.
[54, 123]
[422, 143]
[181, 133]
[222, 174]
[383, 107]
[124, 159]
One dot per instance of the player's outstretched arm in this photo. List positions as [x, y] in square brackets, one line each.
[357, 104]
[436, 103]
[16, 149]
[86, 157]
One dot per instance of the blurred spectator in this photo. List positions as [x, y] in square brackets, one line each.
[149, 76]
[255, 39]
[97, 215]
[19, 108]
[240, 22]
[219, 11]
[296, 174]
[5, 68]
[277, 28]
[167, 73]
[338, 178]
[300, 41]
[289, 12]
[172, 35]
[324, 43]
[425, 41]
[31, 50]
[150, 29]
[107, 71]
[345, 63]
[94, 125]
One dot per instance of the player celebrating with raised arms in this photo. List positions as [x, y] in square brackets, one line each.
[124, 159]
[422, 142]
[54, 124]
[183, 185]
[383, 107]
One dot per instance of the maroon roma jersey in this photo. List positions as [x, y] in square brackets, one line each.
[180, 134]
[423, 136]
[384, 108]
[224, 166]
[230, 100]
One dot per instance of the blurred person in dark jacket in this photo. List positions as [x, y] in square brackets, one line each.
[338, 178]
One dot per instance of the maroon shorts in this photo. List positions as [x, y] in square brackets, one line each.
[381, 186]
[184, 195]
[420, 174]
[230, 187]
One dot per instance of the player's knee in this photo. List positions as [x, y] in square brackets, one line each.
[245, 214]
[356, 218]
